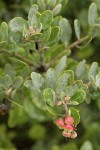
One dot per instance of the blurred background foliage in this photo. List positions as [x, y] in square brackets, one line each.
[35, 130]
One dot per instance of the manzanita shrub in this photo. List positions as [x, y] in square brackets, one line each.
[40, 78]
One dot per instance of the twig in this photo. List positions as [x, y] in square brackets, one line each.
[66, 108]
[76, 43]
[22, 58]
[70, 47]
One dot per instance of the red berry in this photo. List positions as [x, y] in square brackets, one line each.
[66, 134]
[74, 135]
[60, 123]
[68, 127]
[69, 120]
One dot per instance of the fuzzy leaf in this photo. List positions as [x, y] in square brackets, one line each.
[79, 96]
[7, 81]
[25, 72]
[29, 84]
[95, 30]
[33, 17]
[66, 30]
[50, 78]
[54, 37]
[64, 80]
[57, 9]
[93, 69]
[75, 115]
[10, 71]
[4, 32]
[61, 66]
[46, 19]
[81, 68]
[37, 80]
[49, 97]
[41, 4]
[17, 82]
[93, 82]
[74, 87]
[77, 28]
[17, 24]
[98, 80]
[36, 36]
[46, 34]
[92, 14]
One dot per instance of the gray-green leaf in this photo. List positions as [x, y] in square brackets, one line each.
[66, 30]
[93, 70]
[81, 68]
[17, 82]
[4, 32]
[49, 97]
[92, 14]
[77, 28]
[37, 81]
[61, 66]
[50, 78]
[64, 80]
[79, 96]
[46, 19]
[32, 16]
[57, 9]
[55, 35]
[75, 115]
[17, 24]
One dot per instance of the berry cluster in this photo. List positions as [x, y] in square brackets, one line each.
[68, 127]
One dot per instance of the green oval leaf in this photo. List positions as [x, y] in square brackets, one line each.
[93, 70]
[77, 28]
[54, 37]
[17, 82]
[17, 24]
[64, 80]
[50, 78]
[66, 30]
[4, 32]
[57, 9]
[81, 69]
[49, 97]
[37, 81]
[46, 19]
[75, 115]
[92, 14]
[61, 66]
[79, 96]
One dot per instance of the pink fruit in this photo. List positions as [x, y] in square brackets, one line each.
[60, 123]
[74, 135]
[68, 127]
[69, 120]
[66, 134]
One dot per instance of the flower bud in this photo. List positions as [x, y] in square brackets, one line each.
[68, 127]
[31, 29]
[59, 103]
[69, 120]
[73, 135]
[60, 123]
[67, 99]
[66, 134]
